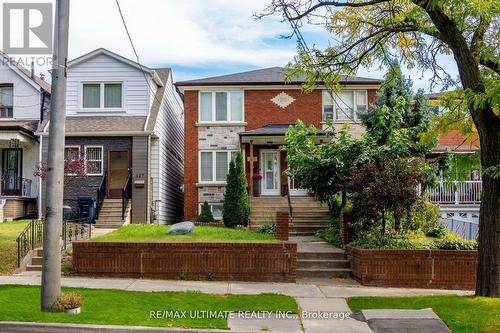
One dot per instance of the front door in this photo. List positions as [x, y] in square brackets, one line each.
[270, 169]
[12, 171]
[118, 170]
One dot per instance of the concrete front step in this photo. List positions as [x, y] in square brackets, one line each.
[108, 226]
[323, 272]
[302, 233]
[321, 263]
[33, 268]
[321, 256]
[36, 260]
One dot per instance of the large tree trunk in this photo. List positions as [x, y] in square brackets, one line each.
[488, 271]
[488, 126]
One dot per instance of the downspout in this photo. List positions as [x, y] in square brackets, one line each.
[40, 146]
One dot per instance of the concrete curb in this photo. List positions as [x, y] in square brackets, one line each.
[28, 327]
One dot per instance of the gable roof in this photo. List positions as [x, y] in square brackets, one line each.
[26, 74]
[163, 74]
[265, 76]
[103, 51]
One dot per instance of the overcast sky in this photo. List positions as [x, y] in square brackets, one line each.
[197, 38]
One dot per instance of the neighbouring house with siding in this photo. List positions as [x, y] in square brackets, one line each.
[24, 103]
[125, 120]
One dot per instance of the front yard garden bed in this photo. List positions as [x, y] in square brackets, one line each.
[133, 308]
[207, 254]
[461, 314]
[424, 268]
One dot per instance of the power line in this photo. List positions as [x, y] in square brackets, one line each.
[140, 65]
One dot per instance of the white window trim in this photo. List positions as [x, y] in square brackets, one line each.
[79, 156]
[355, 106]
[102, 160]
[228, 111]
[210, 204]
[13, 101]
[101, 108]
[214, 164]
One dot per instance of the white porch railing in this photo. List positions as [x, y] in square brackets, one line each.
[466, 192]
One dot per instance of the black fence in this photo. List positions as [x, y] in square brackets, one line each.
[31, 237]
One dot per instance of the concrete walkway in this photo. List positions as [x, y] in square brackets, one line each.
[316, 299]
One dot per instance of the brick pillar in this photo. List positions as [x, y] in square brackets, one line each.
[344, 228]
[282, 220]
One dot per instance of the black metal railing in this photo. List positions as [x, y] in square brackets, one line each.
[126, 194]
[289, 200]
[29, 239]
[73, 230]
[16, 186]
[101, 194]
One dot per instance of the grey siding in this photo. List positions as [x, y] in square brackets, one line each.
[170, 131]
[140, 172]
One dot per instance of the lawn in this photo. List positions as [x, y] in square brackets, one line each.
[8, 246]
[119, 307]
[158, 233]
[462, 314]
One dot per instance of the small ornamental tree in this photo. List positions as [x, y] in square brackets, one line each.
[236, 210]
[205, 214]
[74, 168]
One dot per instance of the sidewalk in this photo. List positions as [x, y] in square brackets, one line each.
[320, 296]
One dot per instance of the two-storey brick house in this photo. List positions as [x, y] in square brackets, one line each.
[251, 111]
[125, 119]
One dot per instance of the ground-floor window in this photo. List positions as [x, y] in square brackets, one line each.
[216, 209]
[214, 165]
[93, 160]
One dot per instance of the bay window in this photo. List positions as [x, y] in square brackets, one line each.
[108, 95]
[345, 105]
[6, 101]
[214, 165]
[221, 106]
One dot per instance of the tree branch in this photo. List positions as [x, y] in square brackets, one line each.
[335, 4]
[491, 64]
[478, 37]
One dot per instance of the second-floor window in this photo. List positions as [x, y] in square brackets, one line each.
[345, 105]
[6, 101]
[104, 95]
[214, 165]
[221, 106]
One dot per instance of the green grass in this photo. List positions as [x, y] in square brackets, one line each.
[8, 246]
[158, 233]
[119, 307]
[462, 314]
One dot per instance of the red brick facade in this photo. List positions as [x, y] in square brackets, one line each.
[449, 269]
[259, 111]
[275, 262]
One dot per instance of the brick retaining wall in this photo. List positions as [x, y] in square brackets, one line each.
[449, 269]
[276, 262]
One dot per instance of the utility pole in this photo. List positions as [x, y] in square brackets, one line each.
[51, 268]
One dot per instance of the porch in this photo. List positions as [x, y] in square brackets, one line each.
[264, 158]
[18, 185]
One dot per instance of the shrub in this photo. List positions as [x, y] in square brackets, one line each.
[205, 214]
[387, 241]
[453, 242]
[236, 208]
[438, 230]
[68, 301]
[267, 229]
[331, 235]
